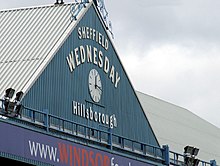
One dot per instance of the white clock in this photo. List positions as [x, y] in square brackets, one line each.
[95, 85]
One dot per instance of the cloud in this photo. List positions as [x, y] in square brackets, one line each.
[148, 21]
[185, 76]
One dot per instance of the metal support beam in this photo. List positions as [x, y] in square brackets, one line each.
[46, 119]
[166, 154]
[110, 138]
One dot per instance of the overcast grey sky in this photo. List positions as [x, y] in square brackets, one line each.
[170, 49]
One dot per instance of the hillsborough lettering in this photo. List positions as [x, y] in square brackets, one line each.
[88, 54]
[81, 110]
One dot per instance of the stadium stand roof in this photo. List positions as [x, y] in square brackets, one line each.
[29, 38]
[178, 127]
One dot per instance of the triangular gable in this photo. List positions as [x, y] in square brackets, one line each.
[85, 82]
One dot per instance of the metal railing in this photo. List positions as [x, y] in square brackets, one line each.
[107, 138]
[55, 124]
[178, 160]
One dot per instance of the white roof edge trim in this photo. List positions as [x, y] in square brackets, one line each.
[162, 100]
[34, 7]
[54, 50]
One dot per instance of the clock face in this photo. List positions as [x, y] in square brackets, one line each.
[95, 85]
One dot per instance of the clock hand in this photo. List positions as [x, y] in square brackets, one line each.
[95, 81]
[98, 87]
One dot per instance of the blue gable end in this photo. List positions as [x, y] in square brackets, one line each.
[86, 83]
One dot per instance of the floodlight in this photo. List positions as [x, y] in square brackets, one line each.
[188, 150]
[19, 96]
[9, 93]
[195, 151]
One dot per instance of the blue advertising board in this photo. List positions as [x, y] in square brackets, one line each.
[44, 148]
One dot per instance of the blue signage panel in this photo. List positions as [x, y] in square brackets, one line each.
[41, 147]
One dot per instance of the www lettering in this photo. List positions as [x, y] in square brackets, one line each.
[42, 151]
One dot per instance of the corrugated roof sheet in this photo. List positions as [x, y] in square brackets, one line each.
[178, 127]
[27, 37]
